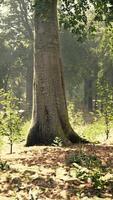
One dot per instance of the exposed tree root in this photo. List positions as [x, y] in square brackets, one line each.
[75, 138]
[37, 136]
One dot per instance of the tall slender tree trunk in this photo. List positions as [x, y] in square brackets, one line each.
[49, 115]
[29, 88]
[88, 94]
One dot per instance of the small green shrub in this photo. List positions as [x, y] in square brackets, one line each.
[10, 120]
[4, 165]
[57, 142]
[98, 183]
[88, 169]
[95, 178]
[105, 99]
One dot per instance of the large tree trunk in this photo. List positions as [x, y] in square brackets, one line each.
[49, 116]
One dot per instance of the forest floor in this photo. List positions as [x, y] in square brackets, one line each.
[46, 173]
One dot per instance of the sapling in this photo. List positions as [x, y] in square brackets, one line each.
[105, 99]
[10, 120]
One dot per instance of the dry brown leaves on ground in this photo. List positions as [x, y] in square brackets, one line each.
[46, 173]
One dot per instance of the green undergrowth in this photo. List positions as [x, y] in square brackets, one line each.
[25, 127]
[93, 131]
[4, 165]
[89, 171]
[88, 125]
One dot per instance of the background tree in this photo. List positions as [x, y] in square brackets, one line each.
[16, 34]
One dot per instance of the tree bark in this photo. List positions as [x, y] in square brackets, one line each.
[88, 94]
[49, 114]
[29, 88]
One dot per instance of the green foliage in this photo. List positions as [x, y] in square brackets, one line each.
[73, 15]
[104, 80]
[42, 8]
[92, 131]
[4, 166]
[16, 46]
[10, 120]
[57, 142]
[76, 118]
[105, 99]
[94, 177]
[106, 44]
[88, 169]
[25, 127]
[82, 159]
[98, 183]
[1, 143]
[95, 131]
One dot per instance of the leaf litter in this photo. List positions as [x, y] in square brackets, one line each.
[46, 173]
